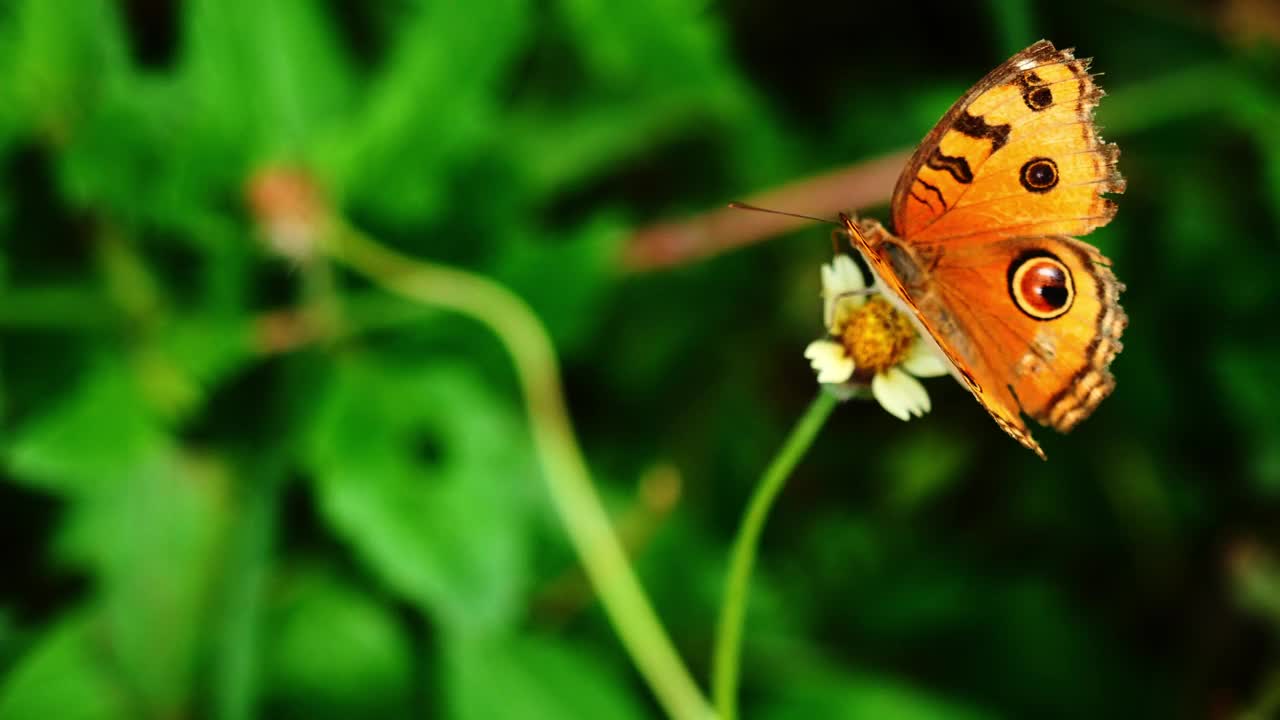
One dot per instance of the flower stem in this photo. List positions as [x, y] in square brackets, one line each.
[563, 466]
[724, 672]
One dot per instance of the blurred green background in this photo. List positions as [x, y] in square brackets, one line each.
[235, 484]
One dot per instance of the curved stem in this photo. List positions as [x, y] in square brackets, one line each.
[724, 672]
[567, 476]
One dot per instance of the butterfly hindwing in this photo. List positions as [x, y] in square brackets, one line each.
[1036, 322]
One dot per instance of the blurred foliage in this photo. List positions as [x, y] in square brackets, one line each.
[239, 485]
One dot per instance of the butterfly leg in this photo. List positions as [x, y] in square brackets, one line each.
[857, 293]
[838, 236]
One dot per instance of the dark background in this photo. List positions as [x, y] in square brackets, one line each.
[201, 519]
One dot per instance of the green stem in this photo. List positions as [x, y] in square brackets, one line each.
[724, 672]
[239, 652]
[563, 466]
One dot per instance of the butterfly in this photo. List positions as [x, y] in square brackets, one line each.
[983, 257]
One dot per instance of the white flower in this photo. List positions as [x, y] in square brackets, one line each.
[869, 341]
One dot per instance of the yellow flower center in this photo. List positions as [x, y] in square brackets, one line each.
[877, 336]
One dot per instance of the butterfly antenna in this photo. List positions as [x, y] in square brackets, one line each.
[745, 206]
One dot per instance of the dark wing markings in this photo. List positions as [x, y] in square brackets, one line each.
[958, 167]
[976, 126]
[935, 190]
[922, 201]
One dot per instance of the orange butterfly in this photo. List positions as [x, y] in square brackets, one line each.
[1028, 317]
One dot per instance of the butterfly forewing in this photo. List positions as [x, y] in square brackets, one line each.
[1017, 155]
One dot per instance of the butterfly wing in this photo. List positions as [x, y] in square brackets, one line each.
[1028, 324]
[1036, 323]
[1018, 155]
[1028, 317]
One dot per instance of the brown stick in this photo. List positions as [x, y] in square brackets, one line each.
[671, 243]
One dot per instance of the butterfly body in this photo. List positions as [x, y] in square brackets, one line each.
[983, 258]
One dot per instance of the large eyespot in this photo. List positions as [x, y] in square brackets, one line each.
[1039, 174]
[1041, 285]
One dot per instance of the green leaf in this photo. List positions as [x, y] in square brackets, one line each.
[145, 135]
[63, 676]
[98, 434]
[525, 677]
[435, 104]
[153, 541]
[62, 56]
[335, 652]
[661, 44]
[265, 77]
[145, 521]
[655, 73]
[424, 472]
[209, 347]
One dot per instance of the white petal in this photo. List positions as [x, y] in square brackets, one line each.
[837, 373]
[840, 278]
[828, 278]
[886, 393]
[828, 307]
[900, 394]
[844, 276]
[830, 360]
[924, 361]
[821, 349]
[915, 391]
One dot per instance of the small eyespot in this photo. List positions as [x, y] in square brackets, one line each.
[1039, 175]
[1041, 285]
[1038, 99]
